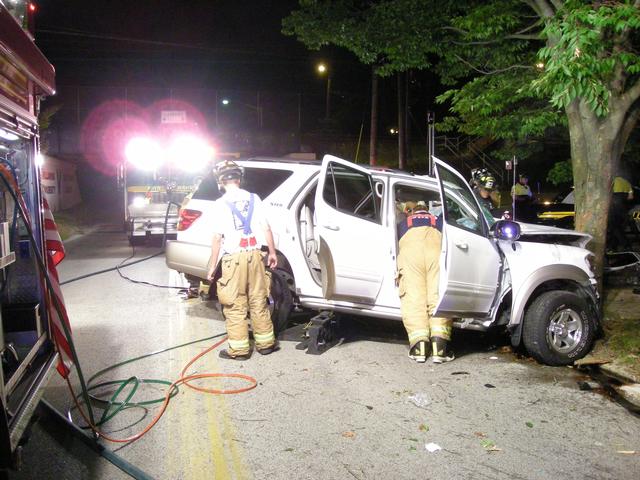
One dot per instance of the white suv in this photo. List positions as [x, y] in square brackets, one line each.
[334, 224]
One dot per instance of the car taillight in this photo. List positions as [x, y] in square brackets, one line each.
[187, 217]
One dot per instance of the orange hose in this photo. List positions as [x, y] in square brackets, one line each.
[182, 380]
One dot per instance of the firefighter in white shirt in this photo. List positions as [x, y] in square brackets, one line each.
[244, 284]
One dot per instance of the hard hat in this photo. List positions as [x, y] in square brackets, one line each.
[421, 206]
[408, 206]
[487, 181]
[227, 170]
[478, 173]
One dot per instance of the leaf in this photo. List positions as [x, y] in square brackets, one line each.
[349, 434]
[529, 424]
[423, 427]
[487, 443]
[288, 449]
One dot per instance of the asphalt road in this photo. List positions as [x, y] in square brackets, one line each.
[361, 410]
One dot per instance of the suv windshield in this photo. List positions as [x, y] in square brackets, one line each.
[261, 181]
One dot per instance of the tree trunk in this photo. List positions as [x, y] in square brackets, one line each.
[595, 157]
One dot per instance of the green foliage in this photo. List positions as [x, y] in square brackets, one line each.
[589, 53]
[561, 173]
[46, 115]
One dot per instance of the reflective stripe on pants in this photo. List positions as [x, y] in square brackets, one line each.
[244, 287]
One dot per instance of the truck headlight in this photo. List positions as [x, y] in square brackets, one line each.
[139, 201]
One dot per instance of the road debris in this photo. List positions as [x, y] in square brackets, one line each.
[349, 434]
[489, 445]
[432, 447]
[420, 400]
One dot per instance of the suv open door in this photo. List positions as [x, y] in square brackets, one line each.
[349, 230]
[465, 291]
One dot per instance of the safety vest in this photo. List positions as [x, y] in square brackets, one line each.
[421, 220]
[248, 239]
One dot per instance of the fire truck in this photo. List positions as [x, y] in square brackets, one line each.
[158, 172]
[26, 345]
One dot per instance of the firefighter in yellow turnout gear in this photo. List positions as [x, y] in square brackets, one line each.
[418, 277]
[244, 284]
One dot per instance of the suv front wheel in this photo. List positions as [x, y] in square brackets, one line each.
[558, 329]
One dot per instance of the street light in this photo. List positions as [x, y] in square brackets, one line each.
[322, 70]
[258, 108]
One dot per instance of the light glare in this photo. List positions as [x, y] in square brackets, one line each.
[144, 153]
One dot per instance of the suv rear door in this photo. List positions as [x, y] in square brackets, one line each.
[471, 265]
[351, 237]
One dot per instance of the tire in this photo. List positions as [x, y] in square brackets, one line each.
[558, 328]
[280, 301]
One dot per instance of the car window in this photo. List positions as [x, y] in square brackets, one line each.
[352, 192]
[461, 209]
[261, 181]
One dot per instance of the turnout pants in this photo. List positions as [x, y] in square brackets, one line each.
[244, 287]
[419, 274]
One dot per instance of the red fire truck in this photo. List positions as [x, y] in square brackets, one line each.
[26, 346]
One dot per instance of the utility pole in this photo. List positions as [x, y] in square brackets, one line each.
[373, 139]
[431, 118]
[402, 152]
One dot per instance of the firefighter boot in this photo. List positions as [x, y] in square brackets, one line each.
[441, 352]
[419, 352]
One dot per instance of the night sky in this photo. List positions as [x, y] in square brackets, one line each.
[193, 43]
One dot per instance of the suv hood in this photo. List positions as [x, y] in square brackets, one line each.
[559, 236]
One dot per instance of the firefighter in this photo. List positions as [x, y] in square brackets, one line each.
[621, 195]
[244, 284]
[418, 277]
[521, 191]
[484, 192]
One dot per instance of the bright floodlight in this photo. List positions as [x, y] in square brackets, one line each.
[225, 101]
[144, 153]
[39, 160]
[322, 68]
[190, 153]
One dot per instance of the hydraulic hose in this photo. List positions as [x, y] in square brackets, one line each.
[89, 416]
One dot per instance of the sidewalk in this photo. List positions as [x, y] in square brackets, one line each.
[618, 352]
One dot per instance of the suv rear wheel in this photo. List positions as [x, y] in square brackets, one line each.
[558, 328]
[280, 301]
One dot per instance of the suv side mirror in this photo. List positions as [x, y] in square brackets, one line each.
[507, 230]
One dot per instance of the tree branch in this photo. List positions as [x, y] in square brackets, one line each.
[630, 96]
[492, 72]
[543, 8]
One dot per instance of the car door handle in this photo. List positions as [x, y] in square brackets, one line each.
[462, 246]
[335, 228]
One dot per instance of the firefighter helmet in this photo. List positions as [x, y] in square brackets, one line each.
[487, 181]
[227, 170]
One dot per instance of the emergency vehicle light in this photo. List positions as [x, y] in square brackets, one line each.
[190, 153]
[144, 153]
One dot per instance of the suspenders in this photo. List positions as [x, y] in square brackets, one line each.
[248, 240]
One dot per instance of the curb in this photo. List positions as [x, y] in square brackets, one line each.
[630, 391]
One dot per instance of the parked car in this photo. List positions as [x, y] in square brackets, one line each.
[561, 212]
[334, 224]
